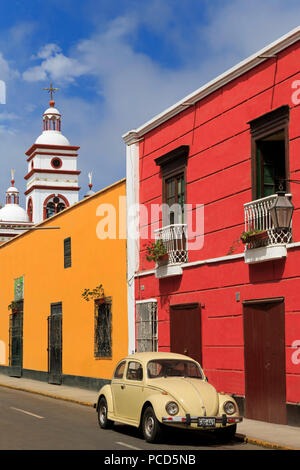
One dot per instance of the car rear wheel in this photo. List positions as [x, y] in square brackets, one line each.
[151, 427]
[103, 421]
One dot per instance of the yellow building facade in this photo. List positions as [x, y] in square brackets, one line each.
[48, 330]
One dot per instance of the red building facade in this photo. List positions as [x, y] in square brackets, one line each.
[221, 155]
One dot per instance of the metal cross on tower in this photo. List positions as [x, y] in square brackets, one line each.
[51, 90]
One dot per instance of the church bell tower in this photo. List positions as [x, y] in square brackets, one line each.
[52, 177]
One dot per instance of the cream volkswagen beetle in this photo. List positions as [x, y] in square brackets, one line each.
[154, 389]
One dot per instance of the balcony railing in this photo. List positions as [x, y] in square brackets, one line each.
[257, 217]
[174, 238]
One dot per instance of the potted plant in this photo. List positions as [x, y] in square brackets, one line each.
[157, 251]
[97, 293]
[13, 306]
[254, 235]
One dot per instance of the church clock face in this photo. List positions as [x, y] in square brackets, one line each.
[56, 162]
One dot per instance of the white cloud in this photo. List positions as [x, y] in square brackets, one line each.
[54, 65]
[34, 74]
[244, 27]
[8, 116]
[5, 71]
[48, 50]
[19, 33]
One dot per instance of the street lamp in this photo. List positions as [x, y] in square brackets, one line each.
[281, 212]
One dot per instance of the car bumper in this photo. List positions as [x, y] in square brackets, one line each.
[203, 422]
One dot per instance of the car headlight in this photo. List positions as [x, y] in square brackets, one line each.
[172, 408]
[229, 407]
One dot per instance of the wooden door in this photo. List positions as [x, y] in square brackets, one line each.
[16, 341]
[55, 344]
[185, 330]
[264, 349]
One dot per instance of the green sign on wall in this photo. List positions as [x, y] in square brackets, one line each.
[19, 288]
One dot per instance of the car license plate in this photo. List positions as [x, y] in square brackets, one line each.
[207, 422]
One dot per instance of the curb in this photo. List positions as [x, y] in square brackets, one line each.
[241, 437]
[263, 443]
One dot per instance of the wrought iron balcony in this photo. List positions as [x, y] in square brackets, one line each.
[258, 219]
[174, 238]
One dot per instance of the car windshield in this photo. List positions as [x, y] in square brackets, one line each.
[173, 368]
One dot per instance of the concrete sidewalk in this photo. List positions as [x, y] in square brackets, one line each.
[272, 436]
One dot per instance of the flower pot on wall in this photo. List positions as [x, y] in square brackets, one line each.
[156, 251]
[255, 236]
[163, 259]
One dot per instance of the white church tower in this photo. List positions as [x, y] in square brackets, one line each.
[13, 218]
[52, 178]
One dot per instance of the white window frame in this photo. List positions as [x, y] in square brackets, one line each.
[143, 334]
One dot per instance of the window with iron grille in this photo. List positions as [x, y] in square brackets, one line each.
[146, 326]
[56, 308]
[103, 327]
[67, 253]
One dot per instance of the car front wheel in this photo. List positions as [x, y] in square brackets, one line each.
[151, 427]
[104, 422]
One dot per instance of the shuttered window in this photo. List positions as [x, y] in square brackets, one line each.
[67, 253]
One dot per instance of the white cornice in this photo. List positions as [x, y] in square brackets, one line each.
[132, 137]
[264, 54]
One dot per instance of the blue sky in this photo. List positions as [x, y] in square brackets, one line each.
[117, 64]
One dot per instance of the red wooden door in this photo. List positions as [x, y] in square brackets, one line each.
[185, 330]
[264, 349]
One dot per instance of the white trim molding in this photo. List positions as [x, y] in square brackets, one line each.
[168, 270]
[145, 301]
[132, 217]
[265, 253]
[196, 263]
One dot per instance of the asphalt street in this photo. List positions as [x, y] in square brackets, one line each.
[33, 422]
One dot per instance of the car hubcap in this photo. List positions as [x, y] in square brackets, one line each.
[103, 414]
[149, 425]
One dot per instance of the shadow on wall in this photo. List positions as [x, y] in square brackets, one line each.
[2, 352]
[267, 271]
